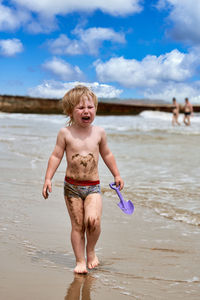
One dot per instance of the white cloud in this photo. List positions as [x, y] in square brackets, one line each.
[62, 69]
[178, 90]
[41, 24]
[10, 47]
[185, 16]
[89, 41]
[57, 89]
[40, 16]
[151, 71]
[63, 45]
[163, 77]
[11, 19]
[52, 7]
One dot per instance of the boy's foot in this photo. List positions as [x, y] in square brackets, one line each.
[81, 268]
[92, 260]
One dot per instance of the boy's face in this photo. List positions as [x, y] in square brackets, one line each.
[84, 112]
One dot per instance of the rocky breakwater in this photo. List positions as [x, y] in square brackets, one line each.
[22, 104]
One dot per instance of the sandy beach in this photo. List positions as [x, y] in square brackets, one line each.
[152, 254]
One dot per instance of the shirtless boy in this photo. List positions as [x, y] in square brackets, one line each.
[82, 142]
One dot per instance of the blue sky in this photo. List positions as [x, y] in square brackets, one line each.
[120, 48]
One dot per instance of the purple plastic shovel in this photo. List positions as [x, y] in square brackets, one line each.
[126, 206]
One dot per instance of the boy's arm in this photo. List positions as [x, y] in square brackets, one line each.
[109, 160]
[53, 163]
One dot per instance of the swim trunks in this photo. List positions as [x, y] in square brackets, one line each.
[187, 113]
[80, 189]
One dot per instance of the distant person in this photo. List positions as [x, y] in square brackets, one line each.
[188, 111]
[175, 112]
[82, 143]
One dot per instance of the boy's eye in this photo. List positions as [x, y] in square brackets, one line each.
[83, 107]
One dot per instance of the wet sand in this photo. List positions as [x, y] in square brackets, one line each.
[143, 256]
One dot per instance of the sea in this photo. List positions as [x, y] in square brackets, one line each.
[159, 163]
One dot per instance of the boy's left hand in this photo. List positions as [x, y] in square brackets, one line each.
[47, 187]
[119, 182]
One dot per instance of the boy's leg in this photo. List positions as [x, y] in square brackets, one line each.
[75, 208]
[93, 211]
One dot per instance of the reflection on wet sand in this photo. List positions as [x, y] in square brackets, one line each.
[81, 286]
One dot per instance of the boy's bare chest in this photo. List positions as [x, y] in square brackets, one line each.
[83, 145]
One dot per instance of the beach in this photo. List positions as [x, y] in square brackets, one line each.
[152, 254]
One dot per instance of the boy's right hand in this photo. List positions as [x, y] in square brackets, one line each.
[119, 182]
[46, 188]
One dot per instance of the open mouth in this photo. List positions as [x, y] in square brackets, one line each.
[86, 118]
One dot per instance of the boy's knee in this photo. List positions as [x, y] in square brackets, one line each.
[79, 225]
[80, 230]
[92, 224]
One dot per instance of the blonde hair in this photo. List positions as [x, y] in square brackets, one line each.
[73, 97]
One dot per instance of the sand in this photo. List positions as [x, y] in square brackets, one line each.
[142, 256]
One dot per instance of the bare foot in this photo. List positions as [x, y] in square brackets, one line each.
[81, 268]
[92, 260]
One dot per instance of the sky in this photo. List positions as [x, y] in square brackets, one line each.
[119, 48]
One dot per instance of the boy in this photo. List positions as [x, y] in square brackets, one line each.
[82, 142]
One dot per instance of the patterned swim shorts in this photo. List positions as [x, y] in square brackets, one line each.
[80, 189]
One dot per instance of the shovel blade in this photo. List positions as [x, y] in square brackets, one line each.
[126, 207]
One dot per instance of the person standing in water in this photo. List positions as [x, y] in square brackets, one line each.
[175, 112]
[188, 111]
[82, 144]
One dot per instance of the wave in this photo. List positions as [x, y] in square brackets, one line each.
[155, 122]
[173, 211]
[176, 214]
[145, 122]
[58, 119]
[167, 116]
[148, 114]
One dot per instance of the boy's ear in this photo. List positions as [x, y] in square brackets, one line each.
[70, 116]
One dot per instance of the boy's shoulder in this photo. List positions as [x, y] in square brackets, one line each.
[64, 131]
[98, 129]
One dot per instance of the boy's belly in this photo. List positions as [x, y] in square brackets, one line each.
[83, 167]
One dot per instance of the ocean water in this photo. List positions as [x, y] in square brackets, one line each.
[159, 163]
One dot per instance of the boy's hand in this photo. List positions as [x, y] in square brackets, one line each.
[119, 182]
[46, 188]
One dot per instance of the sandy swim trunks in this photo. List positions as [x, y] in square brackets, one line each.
[80, 189]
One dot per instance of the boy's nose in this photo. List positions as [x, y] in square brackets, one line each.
[85, 110]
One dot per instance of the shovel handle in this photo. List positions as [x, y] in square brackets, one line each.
[113, 186]
[116, 188]
[126, 207]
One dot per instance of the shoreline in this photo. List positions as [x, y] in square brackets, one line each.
[23, 104]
